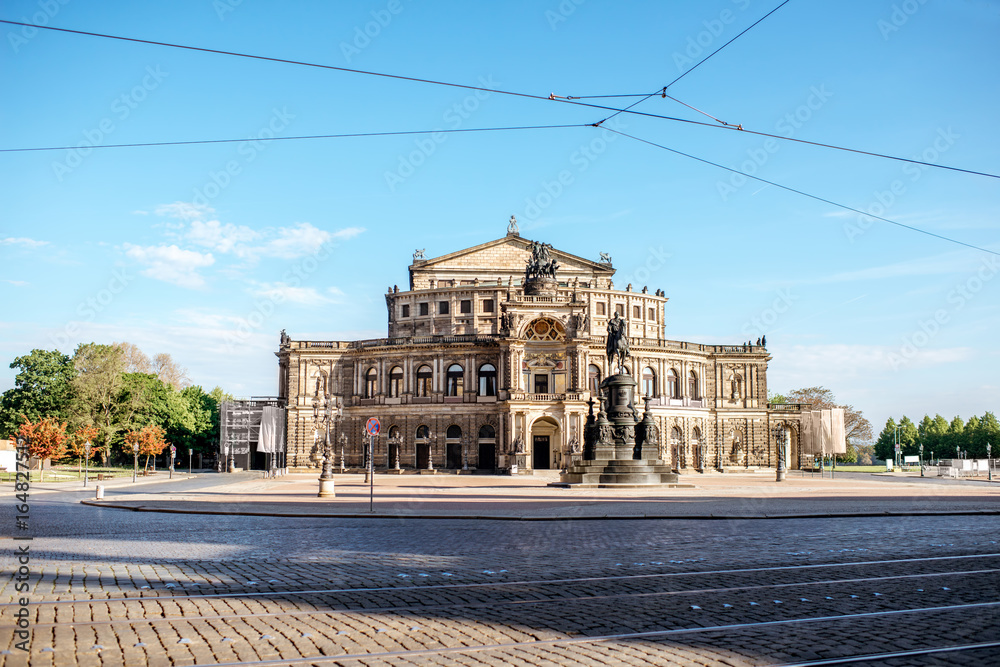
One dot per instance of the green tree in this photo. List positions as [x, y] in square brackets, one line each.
[969, 437]
[885, 444]
[954, 436]
[932, 434]
[96, 391]
[988, 431]
[42, 388]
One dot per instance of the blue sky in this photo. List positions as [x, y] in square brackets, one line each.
[208, 251]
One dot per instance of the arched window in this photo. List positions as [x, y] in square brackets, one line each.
[693, 385]
[393, 432]
[545, 328]
[648, 382]
[487, 380]
[371, 383]
[454, 432]
[423, 432]
[395, 381]
[673, 386]
[454, 380]
[594, 380]
[487, 432]
[425, 377]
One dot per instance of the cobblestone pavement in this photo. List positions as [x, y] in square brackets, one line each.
[112, 587]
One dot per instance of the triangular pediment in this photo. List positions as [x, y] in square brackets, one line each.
[502, 258]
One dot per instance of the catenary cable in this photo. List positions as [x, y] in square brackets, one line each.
[310, 136]
[551, 97]
[806, 194]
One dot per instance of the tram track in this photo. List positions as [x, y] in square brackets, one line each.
[681, 635]
[242, 592]
[494, 604]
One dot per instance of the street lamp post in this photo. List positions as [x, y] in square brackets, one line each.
[173, 454]
[989, 464]
[343, 443]
[896, 450]
[397, 442]
[779, 436]
[326, 417]
[369, 458]
[430, 450]
[921, 459]
[190, 457]
[86, 464]
[958, 452]
[135, 461]
[465, 453]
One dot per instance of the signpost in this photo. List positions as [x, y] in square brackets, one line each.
[372, 427]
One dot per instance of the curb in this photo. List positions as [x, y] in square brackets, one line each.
[502, 517]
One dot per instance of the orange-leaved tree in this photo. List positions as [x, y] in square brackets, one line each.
[76, 443]
[45, 438]
[151, 441]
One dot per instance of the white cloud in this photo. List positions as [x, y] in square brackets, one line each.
[26, 242]
[221, 237]
[281, 293]
[185, 210]
[170, 263]
[292, 242]
[17, 283]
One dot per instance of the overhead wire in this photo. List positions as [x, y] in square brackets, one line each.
[803, 193]
[551, 97]
[299, 137]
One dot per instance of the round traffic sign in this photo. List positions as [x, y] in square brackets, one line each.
[372, 426]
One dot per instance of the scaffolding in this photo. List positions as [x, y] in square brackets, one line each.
[240, 445]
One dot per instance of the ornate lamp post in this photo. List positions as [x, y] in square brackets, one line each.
[396, 442]
[369, 459]
[958, 452]
[430, 450]
[465, 452]
[989, 464]
[324, 412]
[921, 459]
[779, 436]
[173, 453]
[135, 460]
[343, 444]
[86, 464]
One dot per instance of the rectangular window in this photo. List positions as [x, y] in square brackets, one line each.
[541, 384]
[637, 312]
[423, 309]
[600, 308]
[620, 309]
[652, 314]
[442, 308]
[466, 306]
[406, 311]
[488, 306]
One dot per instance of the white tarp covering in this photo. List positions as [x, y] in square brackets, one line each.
[271, 430]
[822, 431]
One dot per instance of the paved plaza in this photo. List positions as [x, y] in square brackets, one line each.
[469, 570]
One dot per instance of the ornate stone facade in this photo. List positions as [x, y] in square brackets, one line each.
[477, 372]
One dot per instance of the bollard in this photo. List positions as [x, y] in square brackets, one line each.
[100, 492]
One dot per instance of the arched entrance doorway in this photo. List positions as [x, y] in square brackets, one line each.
[453, 447]
[544, 443]
[487, 448]
[423, 447]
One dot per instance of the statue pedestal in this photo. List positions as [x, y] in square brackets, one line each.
[617, 460]
[326, 488]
